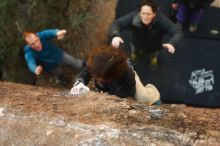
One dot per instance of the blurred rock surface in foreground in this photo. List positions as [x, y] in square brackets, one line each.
[31, 115]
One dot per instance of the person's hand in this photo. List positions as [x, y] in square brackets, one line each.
[170, 48]
[38, 70]
[61, 34]
[78, 88]
[116, 41]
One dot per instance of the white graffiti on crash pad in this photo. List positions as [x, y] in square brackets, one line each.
[202, 80]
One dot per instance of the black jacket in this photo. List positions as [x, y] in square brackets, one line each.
[147, 38]
[123, 87]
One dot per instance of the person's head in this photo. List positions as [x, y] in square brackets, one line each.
[106, 63]
[33, 41]
[148, 11]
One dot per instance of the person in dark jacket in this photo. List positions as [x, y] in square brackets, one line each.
[111, 71]
[43, 55]
[191, 10]
[148, 28]
[113, 74]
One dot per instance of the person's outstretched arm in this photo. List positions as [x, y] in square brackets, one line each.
[52, 33]
[116, 28]
[172, 30]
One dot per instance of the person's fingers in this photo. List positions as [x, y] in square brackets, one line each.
[87, 88]
[116, 41]
[172, 51]
[60, 34]
[169, 48]
[79, 89]
[38, 70]
[164, 45]
[121, 41]
[64, 31]
[74, 91]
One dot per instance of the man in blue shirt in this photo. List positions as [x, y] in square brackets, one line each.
[42, 55]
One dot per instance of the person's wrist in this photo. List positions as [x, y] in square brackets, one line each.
[77, 83]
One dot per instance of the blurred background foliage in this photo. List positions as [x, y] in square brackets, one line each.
[79, 17]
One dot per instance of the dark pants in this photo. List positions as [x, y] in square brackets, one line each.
[69, 61]
[186, 13]
[148, 55]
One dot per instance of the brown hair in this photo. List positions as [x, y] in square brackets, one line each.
[107, 62]
[150, 3]
[27, 34]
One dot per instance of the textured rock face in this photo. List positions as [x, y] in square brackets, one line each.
[31, 115]
[34, 130]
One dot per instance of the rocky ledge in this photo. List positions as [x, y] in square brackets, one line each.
[32, 115]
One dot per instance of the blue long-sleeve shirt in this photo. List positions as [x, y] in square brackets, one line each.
[49, 57]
